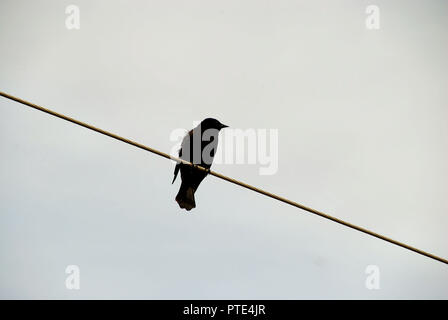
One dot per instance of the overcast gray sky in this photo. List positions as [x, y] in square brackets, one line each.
[362, 135]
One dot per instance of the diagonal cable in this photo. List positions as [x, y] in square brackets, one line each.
[218, 175]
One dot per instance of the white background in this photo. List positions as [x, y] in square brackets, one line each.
[362, 122]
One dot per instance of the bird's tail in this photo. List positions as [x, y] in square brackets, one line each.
[185, 197]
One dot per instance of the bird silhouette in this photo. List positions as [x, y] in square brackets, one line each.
[198, 147]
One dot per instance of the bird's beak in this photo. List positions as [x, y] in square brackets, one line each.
[224, 126]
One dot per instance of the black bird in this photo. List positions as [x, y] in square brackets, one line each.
[199, 147]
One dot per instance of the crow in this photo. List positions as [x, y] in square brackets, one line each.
[198, 147]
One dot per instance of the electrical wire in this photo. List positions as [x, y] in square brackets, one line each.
[223, 177]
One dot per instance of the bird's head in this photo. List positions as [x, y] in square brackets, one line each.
[211, 123]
